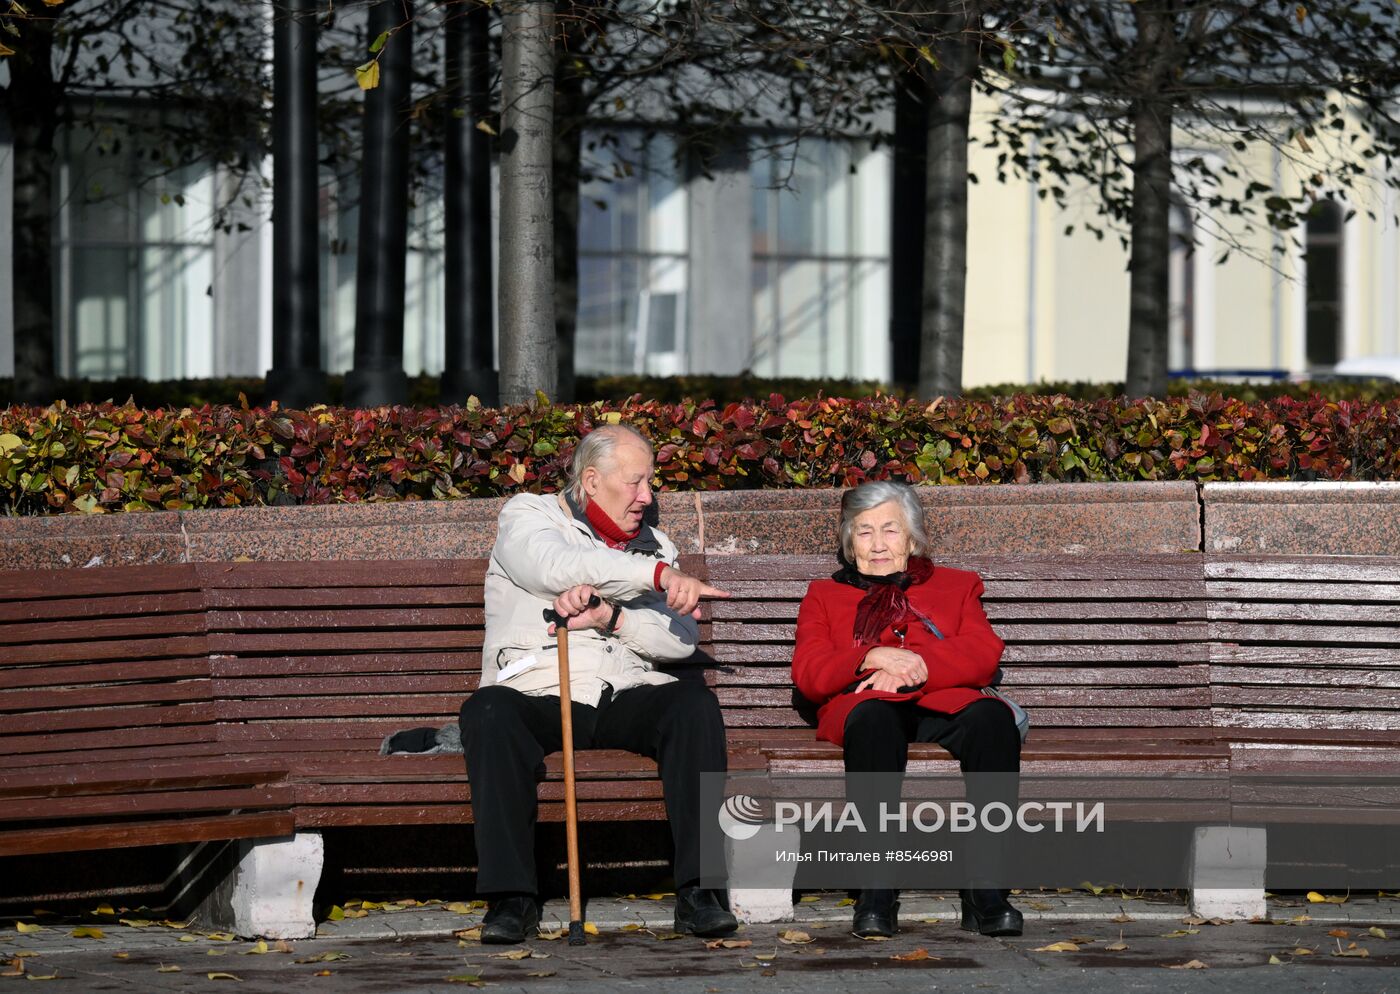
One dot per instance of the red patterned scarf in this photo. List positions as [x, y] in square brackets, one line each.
[885, 602]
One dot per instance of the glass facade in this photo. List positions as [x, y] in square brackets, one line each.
[135, 263]
[820, 260]
[633, 257]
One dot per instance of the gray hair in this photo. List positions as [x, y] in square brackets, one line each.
[858, 500]
[596, 448]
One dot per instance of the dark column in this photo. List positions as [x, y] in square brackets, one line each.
[382, 256]
[907, 228]
[296, 378]
[469, 368]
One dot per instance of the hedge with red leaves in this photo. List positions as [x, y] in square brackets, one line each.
[95, 458]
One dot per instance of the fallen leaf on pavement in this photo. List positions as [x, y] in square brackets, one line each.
[1301, 951]
[1352, 949]
[793, 937]
[188, 938]
[475, 933]
[135, 922]
[540, 973]
[1180, 932]
[1191, 964]
[1316, 898]
[915, 956]
[845, 902]
[259, 948]
[87, 932]
[630, 927]
[1057, 947]
[548, 934]
[729, 944]
[1378, 933]
[223, 976]
[464, 978]
[1193, 920]
[168, 968]
[590, 928]
[1274, 960]
[327, 957]
[336, 914]
[42, 976]
[667, 936]
[808, 899]
[1122, 919]
[512, 954]
[24, 928]
[1039, 905]
[873, 938]
[322, 973]
[1117, 947]
[14, 968]
[1081, 940]
[121, 955]
[1338, 933]
[219, 936]
[104, 909]
[465, 907]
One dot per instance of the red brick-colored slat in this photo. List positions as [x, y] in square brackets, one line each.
[337, 618]
[91, 673]
[229, 643]
[41, 584]
[1293, 678]
[160, 802]
[189, 724]
[116, 719]
[120, 649]
[124, 835]
[1088, 632]
[97, 629]
[114, 606]
[252, 598]
[344, 573]
[377, 684]
[32, 700]
[230, 667]
[155, 774]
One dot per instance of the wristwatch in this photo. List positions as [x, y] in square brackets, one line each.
[612, 622]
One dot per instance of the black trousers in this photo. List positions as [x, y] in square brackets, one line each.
[506, 736]
[982, 737]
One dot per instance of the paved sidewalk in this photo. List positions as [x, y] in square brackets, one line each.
[1121, 943]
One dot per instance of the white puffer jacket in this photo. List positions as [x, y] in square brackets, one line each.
[542, 550]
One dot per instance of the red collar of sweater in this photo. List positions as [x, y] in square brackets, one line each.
[608, 529]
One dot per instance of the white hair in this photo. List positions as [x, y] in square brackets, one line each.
[596, 449]
[858, 500]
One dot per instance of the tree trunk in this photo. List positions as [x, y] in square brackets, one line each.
[1151, 216]
[945, 229]
[570, 107]
[33, 103]
[907, 212]
[527, 345]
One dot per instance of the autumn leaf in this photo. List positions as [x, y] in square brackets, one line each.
[1352, 949]
[914, 956]
[516, 954]
[1191, 964]
[729, 944]
[590, 928]
[793, 937]
[475, 933]
[121, 955]
[223, 976]
[168, 968]
[87, 932]
[5, 52]
[337, 913]
[258, 949]
[1339, 933]
[1378, 933]
[25, 928]
[1302, 951]
[540, 973]
[326, 957]
[845, 902]
[42, 976]
[1274, 960]
[1117, 947]
[873, 938]
[13, 968]
[1316, 898]
[219, 936]
[1122, 919]
[1057, 947]
[464, 978]
[104, 909]
[367, 75]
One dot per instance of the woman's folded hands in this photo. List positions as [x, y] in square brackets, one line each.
[892, 670]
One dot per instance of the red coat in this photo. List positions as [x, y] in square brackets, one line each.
[825, 660]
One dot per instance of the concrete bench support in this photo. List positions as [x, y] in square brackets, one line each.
[269, 891]
[768, 898]
[1227, 872]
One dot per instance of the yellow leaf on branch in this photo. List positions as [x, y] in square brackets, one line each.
[367, 75]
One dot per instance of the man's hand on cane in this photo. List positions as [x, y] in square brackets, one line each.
[583, 608]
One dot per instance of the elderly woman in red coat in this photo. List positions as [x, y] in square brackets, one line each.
[868, 654]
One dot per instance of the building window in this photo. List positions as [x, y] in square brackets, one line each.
[136, 262]
[633, 257]
[1324, 283]
[820, 261]
[1181, 323]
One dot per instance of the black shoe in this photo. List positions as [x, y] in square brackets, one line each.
[698, 912]
[510, 919]
[877, 914]
[989, 912]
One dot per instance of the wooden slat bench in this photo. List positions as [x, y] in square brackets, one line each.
[249, 699]
[107, 718]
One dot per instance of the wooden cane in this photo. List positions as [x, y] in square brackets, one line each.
[561, 632]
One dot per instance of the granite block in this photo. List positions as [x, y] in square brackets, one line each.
[1286, 518]
[1080, 518]
[75, 541]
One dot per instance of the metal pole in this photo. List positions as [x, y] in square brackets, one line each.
[469, 368]
[296, 378]
[382, 253]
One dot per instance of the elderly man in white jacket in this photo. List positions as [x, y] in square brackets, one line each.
[588, 554]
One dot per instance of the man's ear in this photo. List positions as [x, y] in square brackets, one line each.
[589, 480]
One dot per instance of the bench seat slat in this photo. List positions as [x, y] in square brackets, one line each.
[123, 835]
